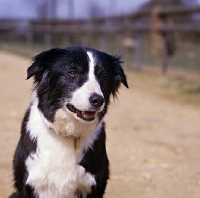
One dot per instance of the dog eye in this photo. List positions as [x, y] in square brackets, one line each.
[101, 76]
[73, 73]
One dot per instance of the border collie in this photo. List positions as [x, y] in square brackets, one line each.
[61, 151]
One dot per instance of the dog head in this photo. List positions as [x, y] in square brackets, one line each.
[77, 80]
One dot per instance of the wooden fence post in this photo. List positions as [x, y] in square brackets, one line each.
[165, 56]
[84, 40]
[65, 40]
[119, 43]
[159, 39]
[29, 39]
[47, 40]
[102, 42]
[47, 37]
[138, 51]
[163, 41]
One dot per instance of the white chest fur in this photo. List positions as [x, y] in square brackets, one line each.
[53, 169]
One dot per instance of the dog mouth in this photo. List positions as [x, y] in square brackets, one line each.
[85, 115]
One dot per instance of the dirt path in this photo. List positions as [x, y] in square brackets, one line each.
[153, 143]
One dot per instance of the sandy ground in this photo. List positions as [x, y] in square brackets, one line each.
[153, 143]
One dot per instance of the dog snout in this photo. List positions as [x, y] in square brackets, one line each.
[96, 100]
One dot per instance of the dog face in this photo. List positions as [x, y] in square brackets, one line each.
[77, 80]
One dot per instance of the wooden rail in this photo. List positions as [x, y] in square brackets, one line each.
[136, 24]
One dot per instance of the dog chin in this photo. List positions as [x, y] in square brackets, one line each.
[75, 124]
[86, 116]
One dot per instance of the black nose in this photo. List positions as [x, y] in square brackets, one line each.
[96, 100]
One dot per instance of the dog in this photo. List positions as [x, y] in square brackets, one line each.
[61, 151]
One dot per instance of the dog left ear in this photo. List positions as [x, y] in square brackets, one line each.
[119, 72]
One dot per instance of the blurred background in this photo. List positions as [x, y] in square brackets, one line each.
[153, 137]
[146, 32]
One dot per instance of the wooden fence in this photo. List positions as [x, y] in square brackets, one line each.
[160, 22]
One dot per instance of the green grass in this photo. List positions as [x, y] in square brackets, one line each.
[189, 88]
[178, 85]
[187, 55]
[182, 83]
[21, 48]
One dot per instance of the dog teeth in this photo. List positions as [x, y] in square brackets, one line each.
[85, 116]
[88, 115]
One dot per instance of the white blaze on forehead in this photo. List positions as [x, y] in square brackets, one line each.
[80, 98]
[91, 65]
[92, 82]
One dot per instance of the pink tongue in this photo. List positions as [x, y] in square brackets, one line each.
[89, 113]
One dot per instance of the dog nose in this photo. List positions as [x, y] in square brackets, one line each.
[96, 100]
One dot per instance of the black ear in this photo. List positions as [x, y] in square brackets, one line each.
[40, 64]
[35, 67]
[120, 77]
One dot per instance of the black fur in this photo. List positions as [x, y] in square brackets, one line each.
[25, 147]
[96, 162]
[53, 83]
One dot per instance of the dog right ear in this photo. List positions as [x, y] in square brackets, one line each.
[34, 68]
[41, 64]
[37, 67]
